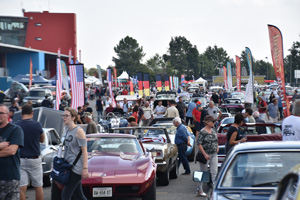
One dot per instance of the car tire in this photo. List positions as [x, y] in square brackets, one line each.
[163, 178]
[191, 157]
[47, 181]
[151, 194]
[174, 171]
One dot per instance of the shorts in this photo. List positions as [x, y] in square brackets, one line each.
[274, 120]
[31, 168]
[197, 126]
[10, 189]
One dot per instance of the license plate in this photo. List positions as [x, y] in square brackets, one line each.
[102, 192]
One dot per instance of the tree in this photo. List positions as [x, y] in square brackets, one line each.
[292, 63]
[182, 57]
[218, 56]
[129, 56]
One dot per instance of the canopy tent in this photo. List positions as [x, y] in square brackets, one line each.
[124, 75]
[36, 79]
[200, 80]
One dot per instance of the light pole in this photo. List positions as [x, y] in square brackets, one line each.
[267, 67]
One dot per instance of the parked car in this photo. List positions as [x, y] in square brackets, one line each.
[233, 105]
[164, 151]
[37, 95]
[16, 88]
[252, 170]
[238, 95]
[113, 120]
[164, 97]
[119, 166]
[225, 113]
[52, 88]
[168, 124]
[289, 186]
[49, 150]
[203, 101]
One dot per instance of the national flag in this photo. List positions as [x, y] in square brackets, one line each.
[77, 85]
[225, 77]
[171, 82]
[238, 73]
[58, 84]
[140, 82]
[167, 87]
[109, 80]
[30, 73]
[278, 63]
[115, 74]
[146, 85]
[158, 83]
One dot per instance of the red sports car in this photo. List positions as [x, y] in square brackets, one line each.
[119, 166]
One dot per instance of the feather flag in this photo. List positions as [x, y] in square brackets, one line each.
[249, 89]
[225, 77]
[146, 85]
[109, 80]
[30, 73]
[58, 84]
[238, 73]
[100, 74]
[229, 76]
[77, 85]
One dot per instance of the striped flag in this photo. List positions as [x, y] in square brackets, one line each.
[77, 85]
[58, 84]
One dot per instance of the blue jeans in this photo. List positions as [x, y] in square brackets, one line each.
[99, 113]
[182, 158]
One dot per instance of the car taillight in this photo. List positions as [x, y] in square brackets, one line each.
[225, 131]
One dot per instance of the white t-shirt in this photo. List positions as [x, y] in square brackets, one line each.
[214, 111]
[291, 128]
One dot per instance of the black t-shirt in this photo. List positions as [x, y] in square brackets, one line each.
[46, 103]
[99, 105]
[215, 98]
[2, 96]
[10, 165]
[32, 132]
[89, 109]
[230, 131]
[180, 106]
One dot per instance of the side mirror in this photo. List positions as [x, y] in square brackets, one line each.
[201, 176]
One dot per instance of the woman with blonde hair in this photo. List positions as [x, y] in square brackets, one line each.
[75, 141]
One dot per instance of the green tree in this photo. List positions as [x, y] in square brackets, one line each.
[129, 56]
[93, 72]
[205, 66]
[182, 57]
[218, 57]
[291, 63]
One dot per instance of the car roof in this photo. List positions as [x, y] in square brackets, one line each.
[267, 145]
[102, 135]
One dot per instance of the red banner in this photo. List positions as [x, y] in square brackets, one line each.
[225, 77]
[238, 73]
[277, 58]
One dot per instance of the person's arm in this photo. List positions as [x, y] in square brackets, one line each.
[3, 145]
[80, 134]
[220, 114]
[42, 137]
[232, 140]
[9, 151]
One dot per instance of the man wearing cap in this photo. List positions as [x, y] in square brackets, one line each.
[91, 125]
[197, 117]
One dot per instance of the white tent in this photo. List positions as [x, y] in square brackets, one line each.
[200, 80]
[124, 75]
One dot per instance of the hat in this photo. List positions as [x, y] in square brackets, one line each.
[199, 105]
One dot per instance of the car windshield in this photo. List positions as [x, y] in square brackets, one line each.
[232, 101]
[262, 169]
[37, 94]
[166, 96]
[114, 145]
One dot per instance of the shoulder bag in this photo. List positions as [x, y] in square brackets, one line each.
[200, 158]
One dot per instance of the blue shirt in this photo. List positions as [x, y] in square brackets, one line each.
[10, 165]
[181, 135]
[279, 102]
[191, 107]
[32, 132]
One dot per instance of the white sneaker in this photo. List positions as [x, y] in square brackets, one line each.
[201, 194]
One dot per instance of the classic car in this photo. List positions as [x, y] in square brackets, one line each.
[238, 95]
[254, 132]
[289, 186]
[233, 105]
[164, 97]
[163, 150]
[252, 170]
[48, 151]
[113, 120]
[203, 101]
[225, 113]
[119, 166]
[168, 124]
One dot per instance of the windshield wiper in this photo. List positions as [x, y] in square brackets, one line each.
[274, 183]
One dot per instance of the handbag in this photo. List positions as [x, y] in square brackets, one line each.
[61, 169]
[200, 158]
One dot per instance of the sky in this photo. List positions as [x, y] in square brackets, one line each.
[230, 24]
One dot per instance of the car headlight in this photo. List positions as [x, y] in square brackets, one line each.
[157, 153]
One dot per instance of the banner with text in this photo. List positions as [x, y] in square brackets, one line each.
[225, 77]
[277, 58]
[238, 73]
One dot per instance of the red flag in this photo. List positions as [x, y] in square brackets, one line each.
[225, 77]
[238, 73]
[30, 73]
[77, 85]
[277, 57]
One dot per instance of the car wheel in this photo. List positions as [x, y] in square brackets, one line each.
[191, 157]
[47, 181]
[174, 171]
[164, 178]
[151, 194]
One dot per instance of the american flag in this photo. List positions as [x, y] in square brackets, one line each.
[77, 85]
[58, 84]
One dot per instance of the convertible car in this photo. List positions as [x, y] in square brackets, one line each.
[113, 120]
[119, 166]
[233, 105]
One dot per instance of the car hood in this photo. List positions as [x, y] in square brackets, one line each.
[117, 169]
[245, 194]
